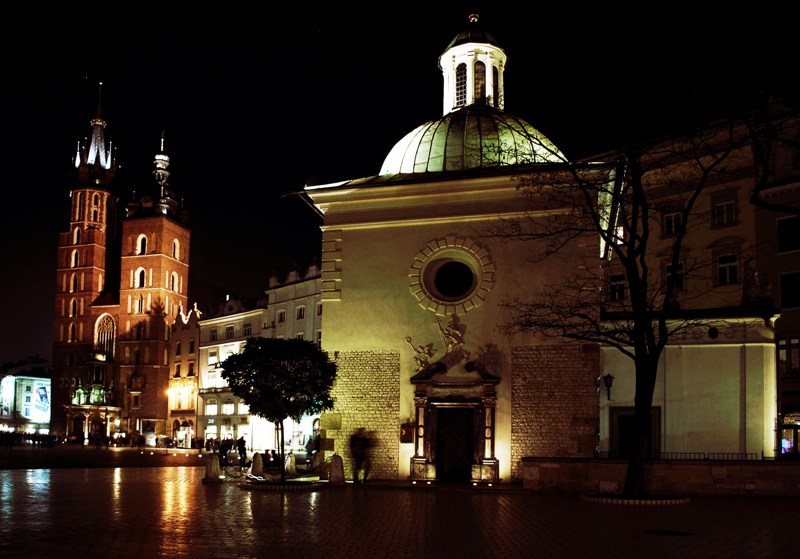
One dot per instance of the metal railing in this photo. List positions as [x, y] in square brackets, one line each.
[691, 455]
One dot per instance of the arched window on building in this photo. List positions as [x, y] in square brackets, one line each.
[73, 307]
[461, 85]
[480, 82]
[141, 278]
[76, 236]
[495, 87]
[173, 279]
[141, 245]
[176, 249]
[104, 336]
[73, 332]
[74, 259]
[73, 283]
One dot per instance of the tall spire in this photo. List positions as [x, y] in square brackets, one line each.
[96, 164]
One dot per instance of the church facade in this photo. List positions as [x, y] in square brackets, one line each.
[121, 280]
[418, 296]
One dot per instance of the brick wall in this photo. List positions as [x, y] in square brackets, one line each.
[554, 402]
[367, 394]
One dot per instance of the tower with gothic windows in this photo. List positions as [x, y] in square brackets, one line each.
[121, 280]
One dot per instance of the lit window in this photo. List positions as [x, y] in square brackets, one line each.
[211, 407]
[212, 358]
[178, 370]
[243, 408]
[228, 408]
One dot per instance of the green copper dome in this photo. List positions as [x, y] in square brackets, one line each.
[475, 136]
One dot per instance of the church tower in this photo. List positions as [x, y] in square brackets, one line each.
[84, 331]
[153, 289]
[121, 282]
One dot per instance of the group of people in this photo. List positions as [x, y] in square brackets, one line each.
[224, 447]
[360, 450]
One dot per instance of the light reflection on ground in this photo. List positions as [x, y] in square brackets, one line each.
[169, 512]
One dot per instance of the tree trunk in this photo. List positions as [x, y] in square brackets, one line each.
[646, 370]
[281, 453]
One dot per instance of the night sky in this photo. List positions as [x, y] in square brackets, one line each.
[254, 105]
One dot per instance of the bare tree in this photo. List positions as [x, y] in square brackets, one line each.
[630, 217]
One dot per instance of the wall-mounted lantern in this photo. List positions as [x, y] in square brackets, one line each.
[608, 380]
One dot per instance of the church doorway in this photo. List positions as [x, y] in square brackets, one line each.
[455, 444]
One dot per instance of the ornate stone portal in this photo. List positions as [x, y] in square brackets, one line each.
[455, 402]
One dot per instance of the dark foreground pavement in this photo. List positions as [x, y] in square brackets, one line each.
[151, 506]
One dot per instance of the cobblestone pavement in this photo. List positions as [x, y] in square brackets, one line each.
[173, 512]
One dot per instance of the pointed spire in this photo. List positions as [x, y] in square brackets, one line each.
[96, 164]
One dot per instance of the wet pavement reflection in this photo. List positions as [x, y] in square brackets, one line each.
[170, 512]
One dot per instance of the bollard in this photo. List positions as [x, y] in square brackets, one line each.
[258, 465]
[213, 470]
[336, 476]
[291, 467]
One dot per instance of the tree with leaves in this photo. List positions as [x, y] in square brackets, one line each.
[642, 203]
[281, 379]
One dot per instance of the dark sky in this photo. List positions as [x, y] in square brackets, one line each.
[256, 104]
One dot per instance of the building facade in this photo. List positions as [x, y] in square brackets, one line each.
[121, 279]
[291, 308]
[25, 399]
[417, 292]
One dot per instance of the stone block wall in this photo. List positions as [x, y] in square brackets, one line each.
[554, 401]
[367, 394]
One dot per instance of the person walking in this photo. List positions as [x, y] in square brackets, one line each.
[359, 450]
[241, 447]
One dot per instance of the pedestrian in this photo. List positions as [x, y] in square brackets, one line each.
[359, 449]
[241, 446]
[224, 447]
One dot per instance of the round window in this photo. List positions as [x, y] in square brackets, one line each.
[451, 275]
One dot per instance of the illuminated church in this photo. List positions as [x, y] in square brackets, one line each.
[416, 295]
[121, 279]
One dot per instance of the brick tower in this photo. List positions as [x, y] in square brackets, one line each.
[120, 282]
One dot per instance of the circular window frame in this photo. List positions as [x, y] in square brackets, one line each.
[440, 252]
